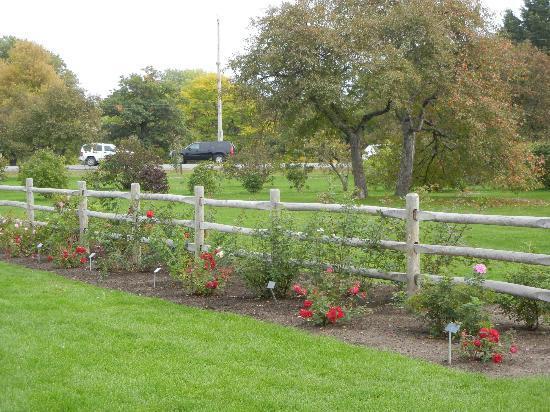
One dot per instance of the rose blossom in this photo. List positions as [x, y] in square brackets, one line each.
[307, 304]
[300, 291]
[330, 269]
[480, 269]
[497, 358]
[305, 313]
[513, 349]
[150, 214]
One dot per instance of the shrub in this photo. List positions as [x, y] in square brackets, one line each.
[522, 309]
[336, 298]
[253, 166]
[17, 238]
[46, 168]
[544, 151]
[206, 175]
[442, 302]
[153, 178]
[297, 175]
[3, 164]
[273, 261]
[132, 163]
[487, 345]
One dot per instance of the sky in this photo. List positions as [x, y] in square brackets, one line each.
[101, 40]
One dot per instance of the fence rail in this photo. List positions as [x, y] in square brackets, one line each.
[411, 214]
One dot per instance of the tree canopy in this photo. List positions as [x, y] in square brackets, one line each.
[144, 106]
[533, 26]
[41, 105]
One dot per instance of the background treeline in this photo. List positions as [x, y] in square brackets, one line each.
[452, 100]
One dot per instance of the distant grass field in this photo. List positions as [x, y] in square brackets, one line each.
[71, 346]
[535, 203]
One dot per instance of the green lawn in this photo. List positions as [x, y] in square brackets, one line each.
[535, 203]
[70, 346]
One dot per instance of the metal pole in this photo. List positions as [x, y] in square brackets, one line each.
[218, 64]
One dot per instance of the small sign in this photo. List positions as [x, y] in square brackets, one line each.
[271, 285]
[92, 255]
[39, 245]
[452, 327]
[157, 270]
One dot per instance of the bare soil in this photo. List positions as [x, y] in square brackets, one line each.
[385, 326]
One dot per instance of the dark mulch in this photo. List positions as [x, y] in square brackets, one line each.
[385, 326]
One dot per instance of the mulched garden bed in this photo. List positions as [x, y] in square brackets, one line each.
[385, 327]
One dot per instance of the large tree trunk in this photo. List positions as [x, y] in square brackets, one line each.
[357, 166]
[404, 179]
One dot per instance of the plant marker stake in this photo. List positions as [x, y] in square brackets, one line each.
[451, 328]
[271, 286]
[90, 258]
[155, 277]
[39, 246]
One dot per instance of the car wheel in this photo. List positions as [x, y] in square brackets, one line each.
[90, 161]
[217, 158]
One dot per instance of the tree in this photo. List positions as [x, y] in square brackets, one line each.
[534, 24]
[318, 58]
[146, 107]
[199, 104]
[41, 105]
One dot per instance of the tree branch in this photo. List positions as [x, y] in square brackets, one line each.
[368, 116]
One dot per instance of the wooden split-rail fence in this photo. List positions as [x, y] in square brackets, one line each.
[412, 214]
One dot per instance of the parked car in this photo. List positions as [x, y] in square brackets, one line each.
[91, 154]
[371, 150]
[215, 151]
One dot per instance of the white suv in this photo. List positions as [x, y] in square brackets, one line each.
[91, 154]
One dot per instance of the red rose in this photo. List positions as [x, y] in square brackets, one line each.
[363, 295]
[330, 269]
[305, 313]
[49, 258]
[65, 254]
[80, 250]
[494, 335]
[300, 291]
[18, 239]
[477, 343]
[354, 290]
[484, 333]
[213, 284]
[497, 358]
[308, 303]
[83, 259]
[334, 313]
[513, 349]
[150, 214]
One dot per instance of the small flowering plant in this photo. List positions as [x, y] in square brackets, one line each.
[479, 270]
[17, 238]
[206, 276]
[488, 345]
[333, 301]
[71, 257]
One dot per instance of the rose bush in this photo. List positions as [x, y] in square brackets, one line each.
[488, 345]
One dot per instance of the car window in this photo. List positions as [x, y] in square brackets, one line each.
[194, 147]
[86, 148]
[109, 148]
[98, 148]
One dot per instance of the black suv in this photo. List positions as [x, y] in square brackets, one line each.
[215, 151]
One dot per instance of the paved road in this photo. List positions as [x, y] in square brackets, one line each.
[165, 166]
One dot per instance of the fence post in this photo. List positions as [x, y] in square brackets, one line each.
[275, 198]
[30, 200]
[199, 219]
[413, 238]
[82, 209]
[135, 205]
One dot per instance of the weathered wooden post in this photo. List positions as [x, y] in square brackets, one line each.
[413, 238]
[135, 206]
[30, 200]
[199, 220]
[82, 209]
[275, 198]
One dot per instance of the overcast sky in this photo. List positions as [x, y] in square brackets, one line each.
[100, 40]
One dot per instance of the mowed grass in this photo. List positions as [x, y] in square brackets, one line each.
[71, 346]
[535, 203]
